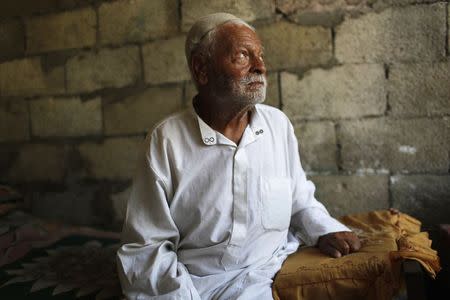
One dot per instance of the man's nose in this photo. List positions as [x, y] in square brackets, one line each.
[258, 65]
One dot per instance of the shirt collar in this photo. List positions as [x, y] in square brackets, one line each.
[209, 135]
[256, 125]
[257, 122]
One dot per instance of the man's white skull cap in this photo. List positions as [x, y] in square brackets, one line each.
[204, 25]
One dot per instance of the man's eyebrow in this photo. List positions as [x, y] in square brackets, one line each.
[250, 46]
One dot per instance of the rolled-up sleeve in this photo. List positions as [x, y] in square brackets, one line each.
[310, 219]
[147, 261]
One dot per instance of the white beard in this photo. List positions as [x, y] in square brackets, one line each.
[237, 93]
[239, 90]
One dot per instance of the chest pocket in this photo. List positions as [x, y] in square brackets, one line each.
[276, 202]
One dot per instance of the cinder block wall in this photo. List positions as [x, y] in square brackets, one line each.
[365, 82]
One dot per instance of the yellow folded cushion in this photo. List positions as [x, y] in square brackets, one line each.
[371, 273]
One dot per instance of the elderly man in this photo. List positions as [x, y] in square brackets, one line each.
[220, 198]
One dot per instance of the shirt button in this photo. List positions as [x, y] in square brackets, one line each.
[261, 131]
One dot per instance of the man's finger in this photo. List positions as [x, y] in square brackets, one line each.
[340, 244]
[354, 243]
[330, 250]
[352, 240]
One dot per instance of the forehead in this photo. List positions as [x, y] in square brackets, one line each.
[233, 35]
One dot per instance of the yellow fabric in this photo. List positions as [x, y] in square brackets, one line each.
[371, 273]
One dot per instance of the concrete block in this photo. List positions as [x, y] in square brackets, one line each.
[113, 159]
[138, 113]
[66, 117]
[14, 125]
[32, 7]
[27, 77]
[12, 39]
[348, 194]
[248, 10]
[273, 88]
[419, 89]
[342, 92]
[137, 20]
[288, 45]
[164, 61]
[67, 30]
[413, 145]
[322, 7]
[317, 145]
[412, 33]
[109, 68]
[189, 93]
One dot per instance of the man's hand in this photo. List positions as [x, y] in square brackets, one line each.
[337, 244]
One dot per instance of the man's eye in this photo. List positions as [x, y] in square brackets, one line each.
[242, 55]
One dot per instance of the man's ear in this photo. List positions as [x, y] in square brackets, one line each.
[199, 69]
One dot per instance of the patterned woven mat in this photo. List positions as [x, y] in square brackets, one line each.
[48, 260]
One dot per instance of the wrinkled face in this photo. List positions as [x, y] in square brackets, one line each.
[237, 71]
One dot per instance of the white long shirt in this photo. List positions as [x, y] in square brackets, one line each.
[209, 219]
